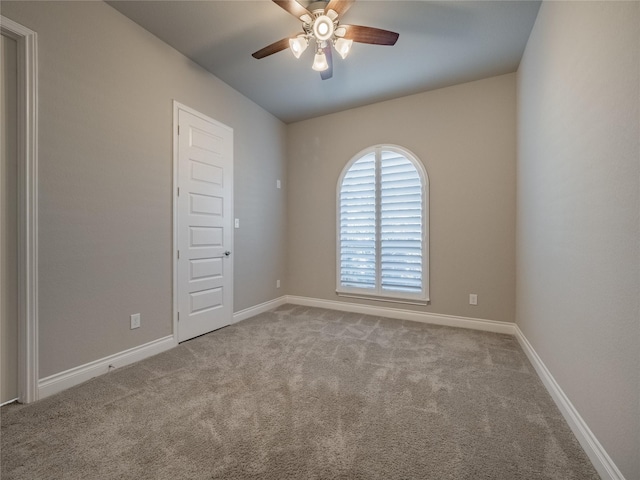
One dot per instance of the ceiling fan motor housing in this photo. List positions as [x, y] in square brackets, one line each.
[317, 7]
[323, 28]
[323, 25]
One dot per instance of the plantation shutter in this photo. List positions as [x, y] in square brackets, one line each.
[400, 225]
[358, 225]
[381, 226]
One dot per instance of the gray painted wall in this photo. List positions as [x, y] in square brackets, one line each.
[9, 225]
[578, 231]
[465, 136]
[105, 181]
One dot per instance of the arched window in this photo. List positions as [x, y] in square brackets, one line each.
[382, 226]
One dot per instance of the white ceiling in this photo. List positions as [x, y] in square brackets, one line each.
[440, 44]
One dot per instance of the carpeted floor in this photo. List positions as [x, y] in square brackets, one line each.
[304, 393]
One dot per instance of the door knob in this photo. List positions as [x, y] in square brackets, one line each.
[227, 253]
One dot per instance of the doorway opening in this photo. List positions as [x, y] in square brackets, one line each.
[26, 134]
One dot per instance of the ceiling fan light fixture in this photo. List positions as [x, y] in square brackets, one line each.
[343, 47]
[320, 62]
[298, 45]
[323, 28]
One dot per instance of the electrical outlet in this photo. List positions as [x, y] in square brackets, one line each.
[278, 185]
[135, 321]
[277, 283]
[473, 299]
[237, 223]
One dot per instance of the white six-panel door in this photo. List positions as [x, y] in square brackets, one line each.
[204, 224]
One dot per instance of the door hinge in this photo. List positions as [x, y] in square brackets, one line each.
[178, 191]
[178, 316]
[178, 129]
[178, 253]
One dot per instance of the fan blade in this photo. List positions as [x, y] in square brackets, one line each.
[328, 73]
[294, 8]
[375, 36]
[339, 6]
[271, 49]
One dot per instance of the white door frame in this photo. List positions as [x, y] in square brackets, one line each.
[174, 251]
[27, 42]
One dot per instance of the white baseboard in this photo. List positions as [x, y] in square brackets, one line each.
[74, 376]
[592, 447]
[8, 402]
[258, 309]
[402, 314]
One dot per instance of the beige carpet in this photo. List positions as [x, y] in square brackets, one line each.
[304, 393]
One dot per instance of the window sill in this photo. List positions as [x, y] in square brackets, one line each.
[382, 298]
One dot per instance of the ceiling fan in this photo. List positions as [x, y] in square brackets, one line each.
[321, 27]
